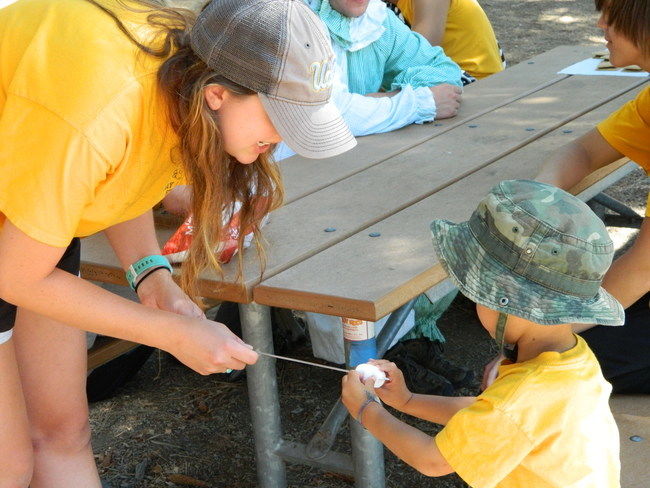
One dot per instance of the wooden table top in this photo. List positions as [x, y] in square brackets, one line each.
[394, 184]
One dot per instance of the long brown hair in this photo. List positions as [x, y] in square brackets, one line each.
[629, 17]
[218, 180]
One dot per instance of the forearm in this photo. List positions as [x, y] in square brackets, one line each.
[371, 115]
[433, 408]
[566, 167]
[408, 443]
[29, 279]
[628, 279]
[73, 301]
[133, 239]
[571, 163]
[382, 94]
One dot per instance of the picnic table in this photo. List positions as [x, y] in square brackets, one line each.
[352, 239]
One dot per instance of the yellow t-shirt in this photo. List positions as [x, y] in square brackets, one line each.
[469, 38]
[543, 423]
[85, 138]
[628, 131]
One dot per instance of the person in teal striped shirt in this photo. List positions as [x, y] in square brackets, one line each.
[386, 76]
[377, 54]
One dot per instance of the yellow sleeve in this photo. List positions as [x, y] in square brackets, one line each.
[628, 129]
[482, 444]
[51, 172]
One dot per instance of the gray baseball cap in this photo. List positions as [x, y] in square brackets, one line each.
[534, 251]
[282, 51]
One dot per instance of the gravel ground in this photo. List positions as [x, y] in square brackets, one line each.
[171, 427]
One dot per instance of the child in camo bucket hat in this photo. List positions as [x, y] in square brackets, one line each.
[534, 251]
[531, 255]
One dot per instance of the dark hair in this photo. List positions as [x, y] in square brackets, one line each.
[629, 17]
[217, 179]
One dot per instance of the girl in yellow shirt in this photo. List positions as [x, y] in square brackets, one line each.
[105, 106]
[461, 28]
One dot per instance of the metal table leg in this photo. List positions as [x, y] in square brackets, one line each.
[368, 458]
[263, 396]
[367, 452]
[392, 326]
[616, 206]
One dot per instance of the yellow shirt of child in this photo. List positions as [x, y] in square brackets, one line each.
[85, 138]
[543, 423]
[468, 39]
[628, 131]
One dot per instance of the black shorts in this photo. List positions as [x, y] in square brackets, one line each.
[624, 352]
[69, 262]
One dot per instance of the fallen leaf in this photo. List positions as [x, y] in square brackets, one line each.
[107, 460]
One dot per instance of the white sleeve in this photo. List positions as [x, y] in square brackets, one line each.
[371, 115]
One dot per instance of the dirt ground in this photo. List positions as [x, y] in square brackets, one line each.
[171, 427]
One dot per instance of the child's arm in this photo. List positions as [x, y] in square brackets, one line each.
[430, 19]
[572, 162]
[414, 447]
[438, 409]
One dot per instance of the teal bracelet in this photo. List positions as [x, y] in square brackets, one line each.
[141, 265]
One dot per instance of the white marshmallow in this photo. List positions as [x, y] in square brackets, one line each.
[367, 370]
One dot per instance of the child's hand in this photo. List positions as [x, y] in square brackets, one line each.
[354, 393]
[394, 392]
[447, 98]
[491, 371]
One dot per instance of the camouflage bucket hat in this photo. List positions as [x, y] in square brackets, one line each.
[534, 251]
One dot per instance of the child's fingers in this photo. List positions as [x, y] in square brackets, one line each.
[386, 366]
[383, 364]
[353, 375]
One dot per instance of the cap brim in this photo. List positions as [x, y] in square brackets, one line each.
[486, 281]
[313, 131]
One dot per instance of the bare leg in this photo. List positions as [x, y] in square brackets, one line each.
[52, 361]
[15, 444]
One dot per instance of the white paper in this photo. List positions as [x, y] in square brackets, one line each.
[588, 67]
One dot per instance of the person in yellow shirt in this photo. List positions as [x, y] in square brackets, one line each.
[461, 28]
[532, 258]
[105, 105]
[624, 354]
